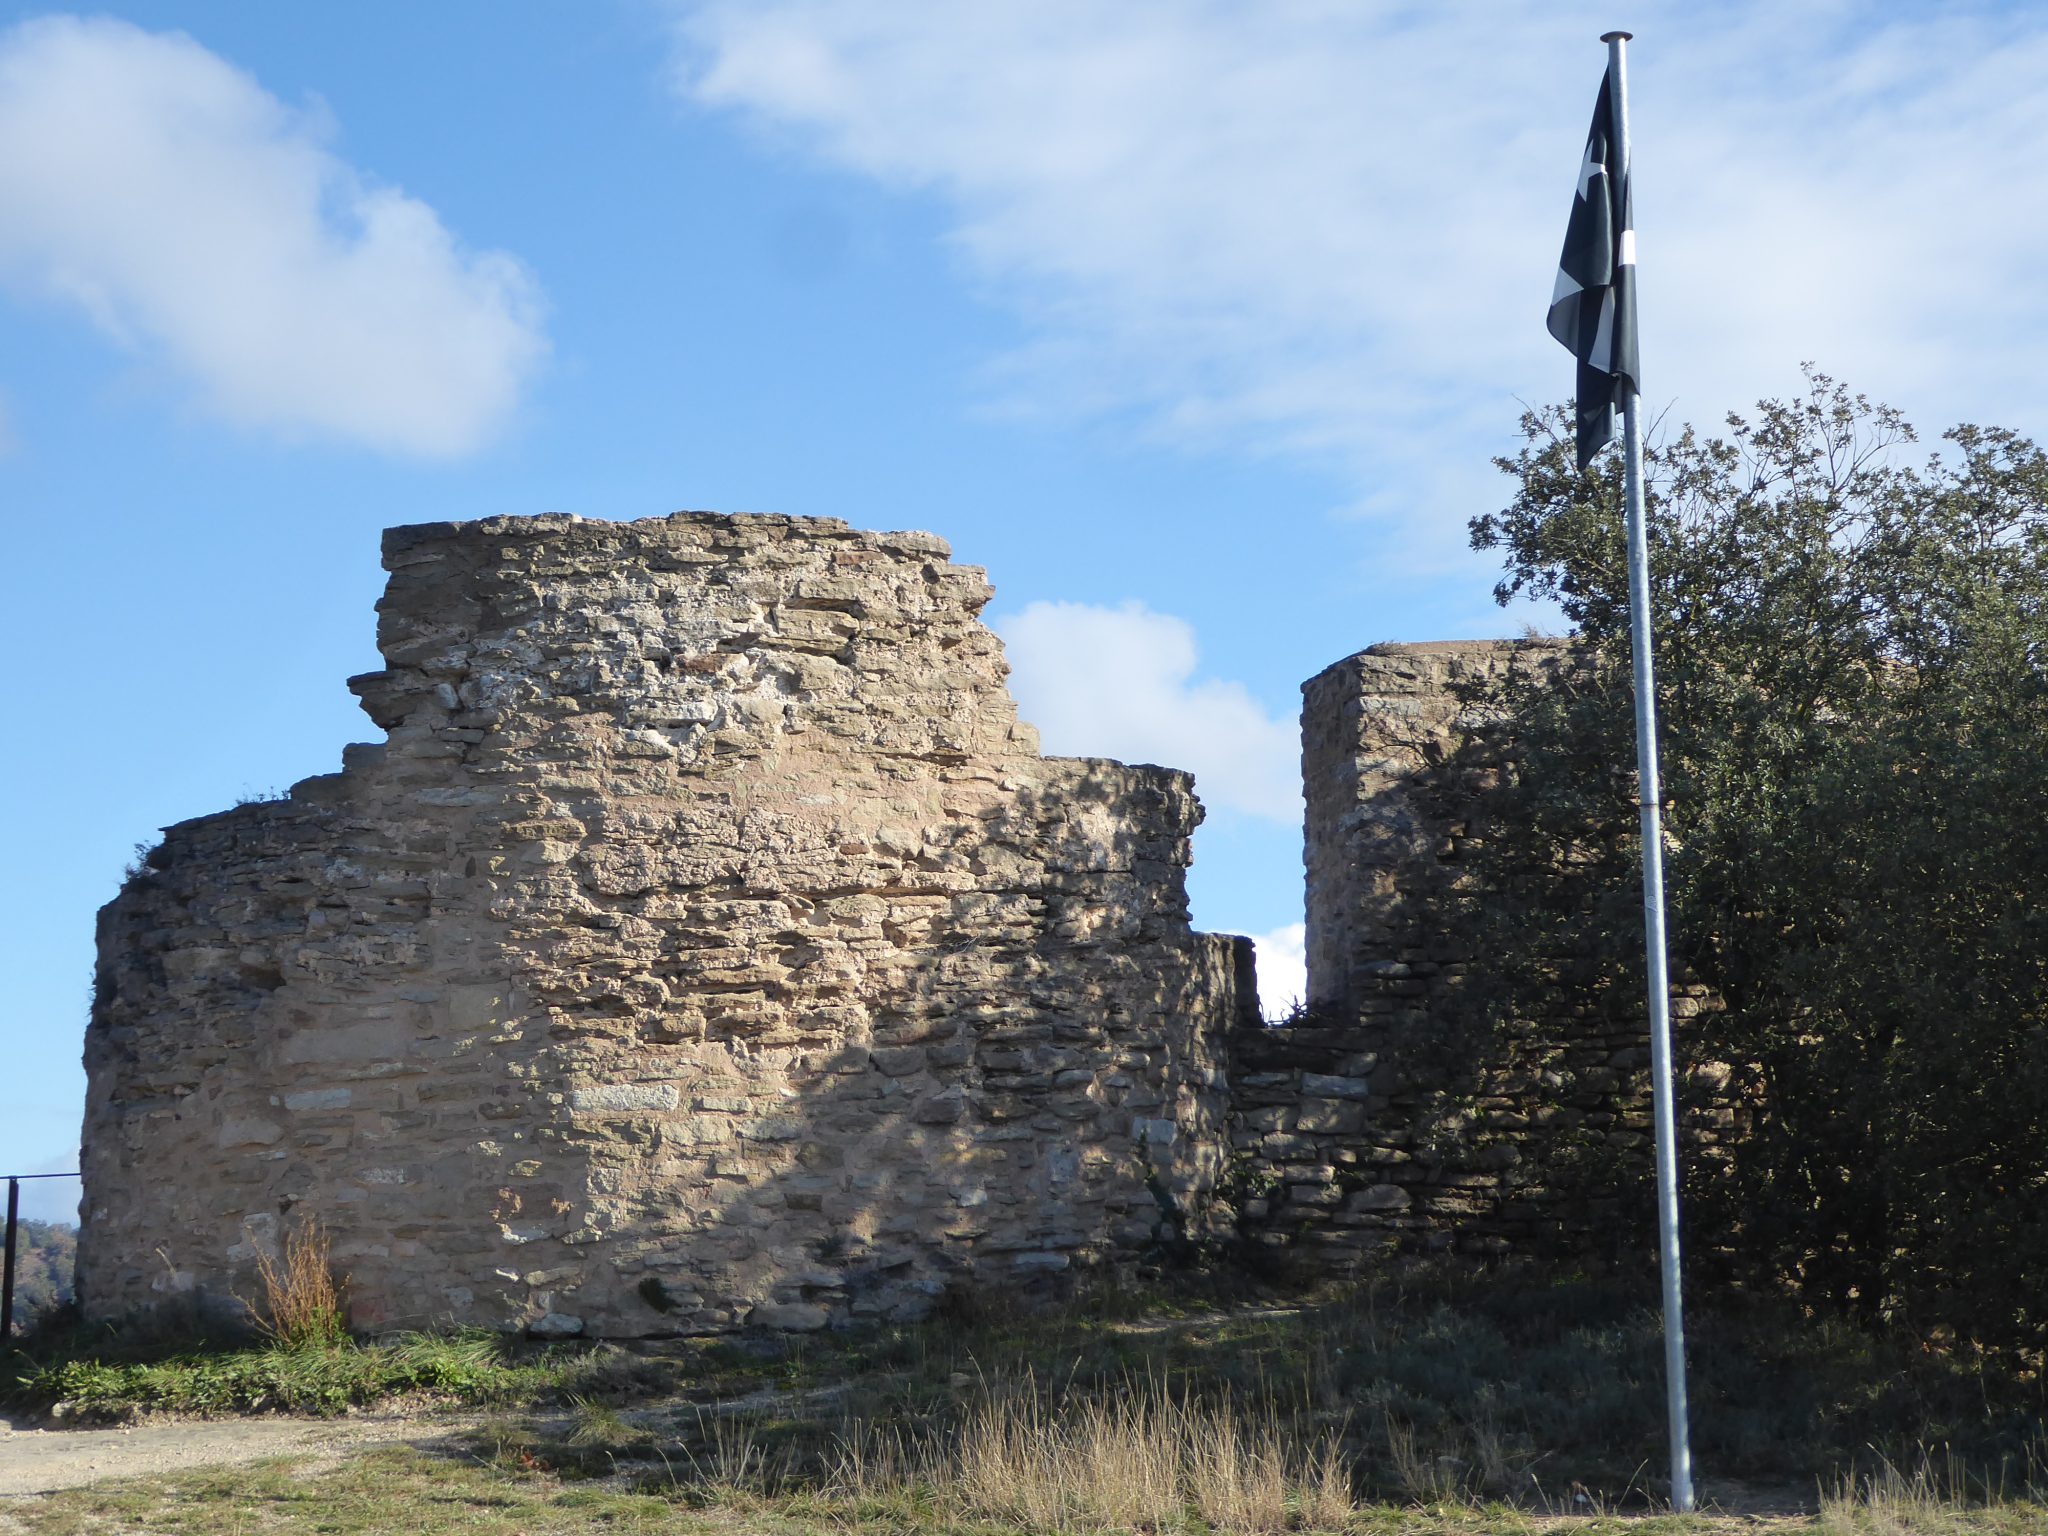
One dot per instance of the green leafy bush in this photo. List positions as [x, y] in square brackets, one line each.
[1852, 658]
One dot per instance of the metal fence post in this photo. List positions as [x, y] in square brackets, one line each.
[14, 1245]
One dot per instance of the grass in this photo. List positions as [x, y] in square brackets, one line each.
[1488, 1398]
[381, 1491]
[402, 1489]
[1939, 1494]
[1507, 1385]
[310, 1378]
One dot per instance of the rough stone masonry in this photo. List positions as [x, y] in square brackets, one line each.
[1379, 1120]
[707, 945]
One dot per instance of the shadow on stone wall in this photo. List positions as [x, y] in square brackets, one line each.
[1473, 1073]
[1002, 1113]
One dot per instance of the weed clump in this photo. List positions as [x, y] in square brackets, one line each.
[303, 1306]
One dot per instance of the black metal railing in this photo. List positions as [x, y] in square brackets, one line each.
[14, 1182]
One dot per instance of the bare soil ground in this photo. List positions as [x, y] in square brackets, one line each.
[38, 1460]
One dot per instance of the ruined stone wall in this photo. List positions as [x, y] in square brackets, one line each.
[1354, 1130]
[706, 945]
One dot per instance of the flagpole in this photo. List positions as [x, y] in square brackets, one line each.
[1650, 793]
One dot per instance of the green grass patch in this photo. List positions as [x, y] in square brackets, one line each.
[307, 1378]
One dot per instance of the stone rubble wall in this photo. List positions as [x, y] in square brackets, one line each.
[1350, 1136]
[707, 945]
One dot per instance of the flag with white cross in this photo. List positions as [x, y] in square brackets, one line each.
[1593, 309]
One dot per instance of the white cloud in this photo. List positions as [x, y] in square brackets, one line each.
[1283, 968]
[197, 219]
[1330, 229]
[1120, 682]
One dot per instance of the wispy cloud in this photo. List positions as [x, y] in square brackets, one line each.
[1120, 682]
[195, 218]
[1329, 230]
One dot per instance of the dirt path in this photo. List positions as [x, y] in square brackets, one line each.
[36, 1461]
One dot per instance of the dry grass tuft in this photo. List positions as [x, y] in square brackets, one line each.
[1140, 1456]
[302, 1301]
[1938, 1496]
[1145, 1458]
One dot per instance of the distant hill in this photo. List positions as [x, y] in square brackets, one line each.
[44, 1254]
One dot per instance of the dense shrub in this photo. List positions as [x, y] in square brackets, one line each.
[1853, 690]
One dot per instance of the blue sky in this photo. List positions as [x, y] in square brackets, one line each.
[1195, 323]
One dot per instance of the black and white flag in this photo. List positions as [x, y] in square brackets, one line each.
[1593, 310]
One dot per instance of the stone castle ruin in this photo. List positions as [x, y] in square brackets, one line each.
[1383, 1119]
[708, 945]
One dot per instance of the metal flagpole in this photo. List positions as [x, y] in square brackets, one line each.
[1650, 793]
[7, 1285]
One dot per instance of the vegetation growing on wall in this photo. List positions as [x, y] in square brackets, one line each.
[1853, 688]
